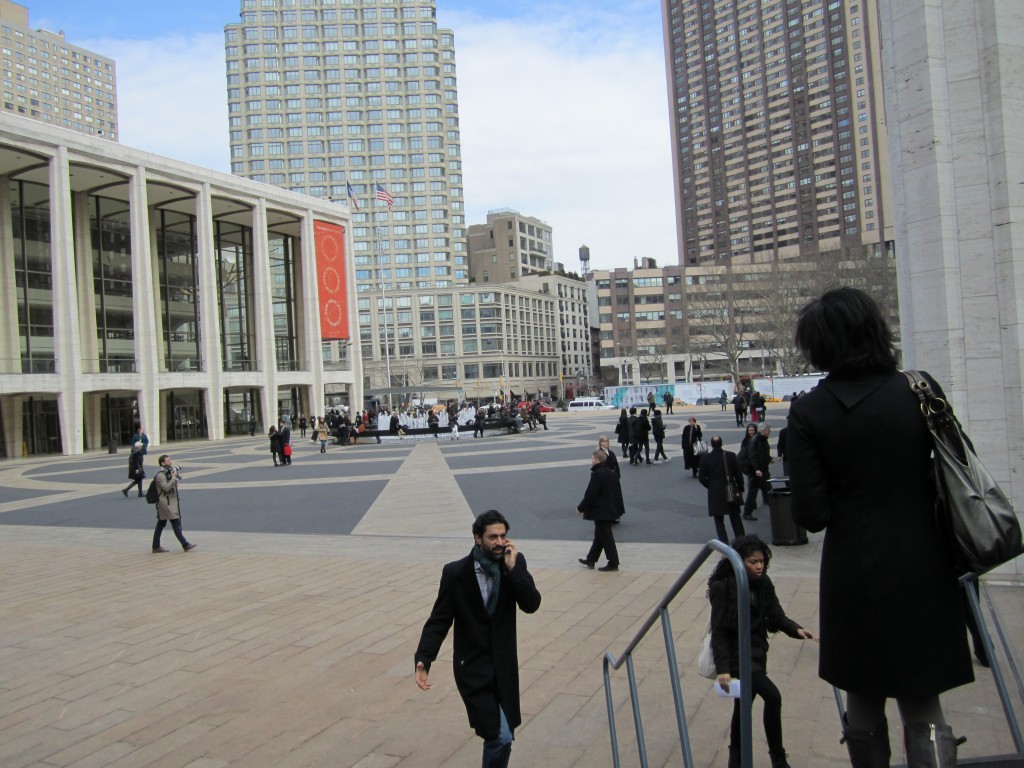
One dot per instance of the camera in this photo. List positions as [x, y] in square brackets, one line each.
[176, 468]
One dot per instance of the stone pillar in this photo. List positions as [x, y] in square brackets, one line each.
[263, 312]
[209, 313]
[148, 347]
[954, 107]
[67, 337]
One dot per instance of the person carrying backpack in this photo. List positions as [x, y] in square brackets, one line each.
[168, 506]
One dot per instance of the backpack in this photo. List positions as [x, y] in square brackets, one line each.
[152, 493]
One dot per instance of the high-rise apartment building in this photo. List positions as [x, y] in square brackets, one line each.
[357, 101]
[778, 133]
[46, 78]
[780, 164]
[335, 98]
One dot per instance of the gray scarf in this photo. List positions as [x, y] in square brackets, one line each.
[492, 568]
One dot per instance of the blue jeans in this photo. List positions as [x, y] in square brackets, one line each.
[498, 750]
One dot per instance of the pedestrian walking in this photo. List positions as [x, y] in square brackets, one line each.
[168, 505]
[719, 471]
[136, 473]
[602, 503]
[479, 594]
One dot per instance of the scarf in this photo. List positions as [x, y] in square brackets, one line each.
[492, 568]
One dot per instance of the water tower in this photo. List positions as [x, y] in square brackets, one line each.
[584, 260]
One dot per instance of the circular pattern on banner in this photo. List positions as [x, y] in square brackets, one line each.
[330, 280]
[328, 247]
[332, 312]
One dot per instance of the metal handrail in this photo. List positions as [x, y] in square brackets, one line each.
[661, 612]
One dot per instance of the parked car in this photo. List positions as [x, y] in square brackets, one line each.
[591, 404]
[544, 407]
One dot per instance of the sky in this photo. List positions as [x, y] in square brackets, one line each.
[563, 106]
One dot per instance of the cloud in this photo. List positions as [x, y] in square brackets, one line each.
[172, 96]
[571, 126]
[563, 112]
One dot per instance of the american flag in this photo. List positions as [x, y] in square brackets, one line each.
[383, 194]
[352, 197]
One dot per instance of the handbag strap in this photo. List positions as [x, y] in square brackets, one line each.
[938, 416]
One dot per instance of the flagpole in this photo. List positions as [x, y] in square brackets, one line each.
[383, 300]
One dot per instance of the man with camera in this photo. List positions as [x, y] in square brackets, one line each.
[168, 505]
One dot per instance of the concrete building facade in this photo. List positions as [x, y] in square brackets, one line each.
[46, 78]
[509, 246]
[955, 107]
[142, 291]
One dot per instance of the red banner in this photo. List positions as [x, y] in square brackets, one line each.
[330, 277]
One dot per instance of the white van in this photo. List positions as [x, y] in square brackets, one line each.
[590, 404]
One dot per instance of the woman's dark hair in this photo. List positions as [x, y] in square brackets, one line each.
[843, 331]
[490, 517]
[745, 546]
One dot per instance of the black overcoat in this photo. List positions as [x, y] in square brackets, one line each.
[603, 499]
[892, 622]
[485, 657]
[691, 433]
[712, 476]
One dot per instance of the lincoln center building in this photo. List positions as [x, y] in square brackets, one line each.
[140, 291]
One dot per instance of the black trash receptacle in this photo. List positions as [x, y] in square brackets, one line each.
[785, 532]
[112, 446]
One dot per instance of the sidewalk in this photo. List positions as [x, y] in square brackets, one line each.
[295, 651]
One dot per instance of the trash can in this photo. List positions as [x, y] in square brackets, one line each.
[112, 446]
[785, 532]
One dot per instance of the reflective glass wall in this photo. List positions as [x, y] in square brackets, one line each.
[30, 226]
[233, 244]
[177, 257]
[110, 231]
[284, 301]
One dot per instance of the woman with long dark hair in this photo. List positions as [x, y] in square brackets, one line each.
[622, 430]
[766, 615]
[891, 611]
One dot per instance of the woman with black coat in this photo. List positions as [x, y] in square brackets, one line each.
[891, 610]
[622, 430]
[276, 447]
[766, 615]
[691, 434]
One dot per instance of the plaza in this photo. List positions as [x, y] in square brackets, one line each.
[286, 638]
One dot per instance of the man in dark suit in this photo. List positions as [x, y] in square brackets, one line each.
[717, 468]
[603, 504]
[479, 593]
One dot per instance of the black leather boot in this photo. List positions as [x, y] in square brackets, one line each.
[868, 749]
[734, 757]
[779, 759]
[930, 745]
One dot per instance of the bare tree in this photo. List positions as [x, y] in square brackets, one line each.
[720, 333]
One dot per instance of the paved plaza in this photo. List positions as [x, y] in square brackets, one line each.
[286, 639]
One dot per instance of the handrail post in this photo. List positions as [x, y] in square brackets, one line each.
[968, 582]
[661, 611]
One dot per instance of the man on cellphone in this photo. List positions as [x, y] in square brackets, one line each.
[479, 594]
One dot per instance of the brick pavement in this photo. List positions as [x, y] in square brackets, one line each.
[295, 651]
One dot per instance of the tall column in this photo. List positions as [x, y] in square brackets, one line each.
[307, 303]
[209, 313]
[67, 337]
[263, 311]
[148, 348]
[954, 108]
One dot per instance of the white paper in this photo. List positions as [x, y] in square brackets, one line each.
[734, 690]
